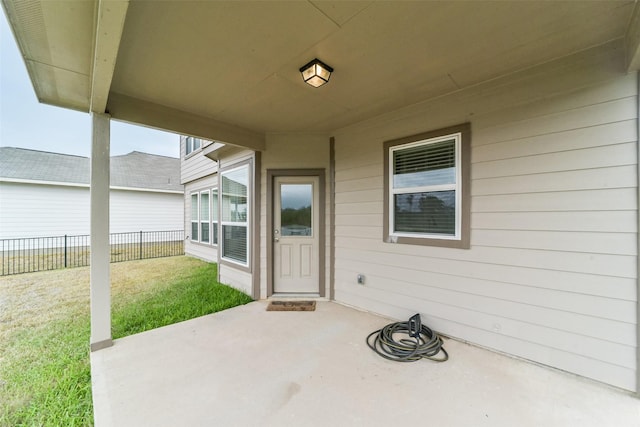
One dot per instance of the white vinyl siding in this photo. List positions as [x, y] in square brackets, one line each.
[195, 166]
[37, 210]
[551, 272]
[145, 211]
[34, 210]
[236, 278]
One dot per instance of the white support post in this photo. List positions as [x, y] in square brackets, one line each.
[100, 270]
[638, 236]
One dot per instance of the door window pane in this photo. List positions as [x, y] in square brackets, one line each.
[296, 209]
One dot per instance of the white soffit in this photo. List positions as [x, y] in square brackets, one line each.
[632, 41]
[56, 42]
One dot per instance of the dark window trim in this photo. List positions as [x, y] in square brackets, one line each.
[465, 226]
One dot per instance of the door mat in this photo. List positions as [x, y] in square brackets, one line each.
[291, 306]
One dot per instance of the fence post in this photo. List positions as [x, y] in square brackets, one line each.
[65, 251]
[140, 244]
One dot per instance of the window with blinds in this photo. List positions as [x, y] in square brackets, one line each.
[234, 214]
[424, 188]
[424, 184]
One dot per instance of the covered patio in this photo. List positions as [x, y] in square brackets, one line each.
[246, 366]
[541, 261]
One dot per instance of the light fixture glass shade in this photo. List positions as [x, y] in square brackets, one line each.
[316, 73]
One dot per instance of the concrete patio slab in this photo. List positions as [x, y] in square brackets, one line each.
[250, 367]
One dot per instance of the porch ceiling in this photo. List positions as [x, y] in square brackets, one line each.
[229, 70]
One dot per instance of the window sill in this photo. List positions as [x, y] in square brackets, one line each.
[191, 154]
[427, 241]
[208, 245]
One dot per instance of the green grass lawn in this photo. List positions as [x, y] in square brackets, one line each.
[45, 376]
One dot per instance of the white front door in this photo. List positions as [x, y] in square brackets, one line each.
[296, 235]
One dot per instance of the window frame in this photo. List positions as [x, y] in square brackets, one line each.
[461, 239]
[197, 220]
[213, 231]
[201, 220]
[214, 214]
[246, 223]
[190, 147]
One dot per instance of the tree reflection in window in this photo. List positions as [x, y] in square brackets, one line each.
[296, 210]
[433, 211]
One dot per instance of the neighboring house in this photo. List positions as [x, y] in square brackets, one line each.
[475, 162]
[47, 194]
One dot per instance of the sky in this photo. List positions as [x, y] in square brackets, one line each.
[26, 123]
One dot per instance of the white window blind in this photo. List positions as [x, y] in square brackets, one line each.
[235, 209]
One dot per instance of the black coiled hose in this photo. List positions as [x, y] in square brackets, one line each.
[398, 342]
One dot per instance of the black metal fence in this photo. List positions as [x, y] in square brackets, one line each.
[50, 253]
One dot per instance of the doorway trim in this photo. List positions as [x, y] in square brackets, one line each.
[271, 175]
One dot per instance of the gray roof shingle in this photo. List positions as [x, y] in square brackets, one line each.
[133, 170]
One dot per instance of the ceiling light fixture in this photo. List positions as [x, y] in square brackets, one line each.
[316, 73]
